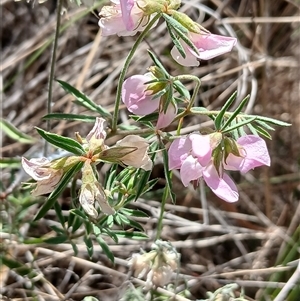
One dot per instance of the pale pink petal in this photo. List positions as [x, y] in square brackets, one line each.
[208, 45]
[36, 168]
[136, 98]
[138, 158]
[98, 131]
[190, 60]
[178, 152]
[201, 148]
[190, 170]
[254, 153]
[126, 7]
[223, 187]
[211, 45]
[165, 119]
[47, 186]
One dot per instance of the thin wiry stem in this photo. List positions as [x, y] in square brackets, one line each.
[52, 69]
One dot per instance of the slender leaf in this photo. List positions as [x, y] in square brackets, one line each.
[252, 129]
[56, 240]
[59, 214]
[89, 245]
[56, 192]
[175, 24]
[239, 125]
[235, 113]
[219, 117]
[168, 173]
[132, 212]
[105, 248]
[181, 89]
[175, 41]
[130, 235]
[262, 131]
[65, 143]
[272, 121]
[64, 116]
[10, 162]
[265, 125]
[83, 100]
[14, 133]
[157, 63]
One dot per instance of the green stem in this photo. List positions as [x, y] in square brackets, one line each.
[52, 68]
[125, 68]
[162, 211]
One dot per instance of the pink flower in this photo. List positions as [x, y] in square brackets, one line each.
[123, 18]
[40, 170]
[208, 45]
[193, 156]
[140, 101]
[253, 153]
[135, 96]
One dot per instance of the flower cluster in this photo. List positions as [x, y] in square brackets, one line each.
[131, 151]
[159, 264]
[198, 156]
[127, 17]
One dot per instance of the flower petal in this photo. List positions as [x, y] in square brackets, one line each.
[190, 170]
[136, 98]
[201, 148]
[178, 152]
[223, 187]
[138, 158]
[165, 119]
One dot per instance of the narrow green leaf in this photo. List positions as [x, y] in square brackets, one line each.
[157, 63]
[235, 113]
[10, 162]
[63, 116]
[131, 223]
[59, 214]
[89, 245]
[239, 125]
[198, 109]
[79, 213]
[168, 173]
[219, 117]
[65, 143]
[56, 192]
[105, 248]
[83, 100]
[132, 212]
[252, 129]
[272, 121]
[131, 235]
[262, 131]
[74, 247]
[175, 41]
[14, 133]
[175, 24]
[56, 240]
[19, 267]
[265, 125]
[181, 89]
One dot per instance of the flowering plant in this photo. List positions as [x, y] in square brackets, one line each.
[160, 105]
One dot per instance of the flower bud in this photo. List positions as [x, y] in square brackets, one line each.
[186, 21]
